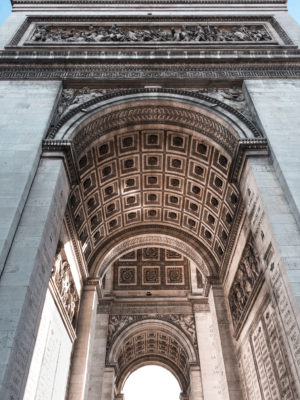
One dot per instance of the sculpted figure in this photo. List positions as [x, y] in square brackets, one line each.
[252, 259]
[116, 323]
[47, 33]
[65, 282]
[72, 300]
[113, 325]
[175, 35]
[233, 95]
[199, 34]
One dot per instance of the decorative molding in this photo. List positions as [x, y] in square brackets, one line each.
[75, 100]
[66, 147]
[77, 249]
[231, 240]
[152, 2]
[98, 69]
[158, 114]
[246, 148]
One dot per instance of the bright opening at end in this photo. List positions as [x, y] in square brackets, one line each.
[151, 382]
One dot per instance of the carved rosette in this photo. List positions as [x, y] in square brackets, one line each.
[245, 285]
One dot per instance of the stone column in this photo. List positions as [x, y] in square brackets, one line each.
[81, 359]
[196, 392]
[212, 370]
[98, 352]
[108, 386]
[224, 342]
[26, 274]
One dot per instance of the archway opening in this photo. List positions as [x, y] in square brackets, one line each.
[151, 382]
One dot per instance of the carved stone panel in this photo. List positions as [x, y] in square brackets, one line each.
[151, 268]
[245, 285]
[264, 364]
[117, 323]
[65, 292]
[79, 34]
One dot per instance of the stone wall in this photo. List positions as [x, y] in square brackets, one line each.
[49, 369]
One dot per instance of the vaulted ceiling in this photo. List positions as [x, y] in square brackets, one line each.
[151, 176]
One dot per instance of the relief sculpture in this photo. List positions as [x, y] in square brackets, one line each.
[63, 280]
[199, 33]
[244, 282]
[185, 322]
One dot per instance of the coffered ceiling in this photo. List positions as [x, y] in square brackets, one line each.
[166, 177]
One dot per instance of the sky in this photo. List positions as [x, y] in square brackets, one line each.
[151, 382]
[293, 5]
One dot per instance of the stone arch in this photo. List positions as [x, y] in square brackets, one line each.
[155, 360]
[152, 341]
[104, 163]
[154, 239]
[92, 106]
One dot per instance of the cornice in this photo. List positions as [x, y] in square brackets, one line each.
[96, 2]
[175, 70]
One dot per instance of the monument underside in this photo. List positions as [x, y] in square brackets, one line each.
[150, 198]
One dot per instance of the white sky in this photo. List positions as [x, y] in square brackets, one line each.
[151, 383]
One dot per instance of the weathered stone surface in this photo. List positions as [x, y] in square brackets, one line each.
[180, 244]
[25, 116]
[275, 105]
[26, 274]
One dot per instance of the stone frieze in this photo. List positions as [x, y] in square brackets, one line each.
[118, 323]
[245, 284]
[135, 34]
[62, 279]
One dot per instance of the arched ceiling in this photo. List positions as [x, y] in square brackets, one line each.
[151, 268]
[152, 345]
[152, 341]
[154, 175]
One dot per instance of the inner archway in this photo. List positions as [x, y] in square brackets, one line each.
[151, 382]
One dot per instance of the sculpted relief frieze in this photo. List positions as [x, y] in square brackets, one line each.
[71, 99]
[117, 323]
[63, 282]
[122, 34]
[245, 284]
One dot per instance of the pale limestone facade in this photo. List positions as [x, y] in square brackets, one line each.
[150, 198]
